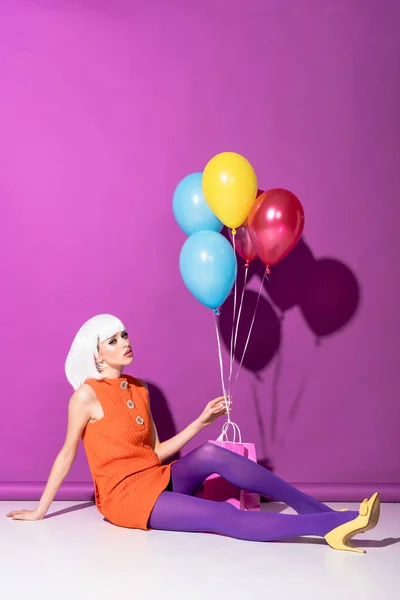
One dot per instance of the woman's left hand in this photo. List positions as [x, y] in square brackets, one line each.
[214, 409]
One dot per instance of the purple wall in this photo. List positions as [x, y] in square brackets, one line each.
[105, 106]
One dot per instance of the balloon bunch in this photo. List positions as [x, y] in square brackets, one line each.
[262, 224]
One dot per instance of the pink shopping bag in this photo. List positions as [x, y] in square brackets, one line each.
[218, 489]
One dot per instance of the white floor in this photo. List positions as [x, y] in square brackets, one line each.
[74, 553]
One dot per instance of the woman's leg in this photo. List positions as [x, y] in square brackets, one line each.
[189, 472]
[180, 512]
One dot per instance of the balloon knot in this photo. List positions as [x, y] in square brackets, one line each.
[216, 311]
[246, 266]
[233, 231]
[268, 270]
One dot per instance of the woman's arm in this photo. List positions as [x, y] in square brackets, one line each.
[79, 411]
[165, 450]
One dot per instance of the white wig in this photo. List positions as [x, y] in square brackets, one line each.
[84, 352]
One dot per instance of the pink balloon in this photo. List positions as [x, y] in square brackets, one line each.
[276, 223]
[243, 243]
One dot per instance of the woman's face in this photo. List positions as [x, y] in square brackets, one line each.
[116, 351]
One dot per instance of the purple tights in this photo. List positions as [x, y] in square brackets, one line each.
[180, 510]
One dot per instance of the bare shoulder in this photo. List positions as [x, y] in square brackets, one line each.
[84, 395]
[80, 410]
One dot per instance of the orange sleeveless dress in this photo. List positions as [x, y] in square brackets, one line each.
[127, 474]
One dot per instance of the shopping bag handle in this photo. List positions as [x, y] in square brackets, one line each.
[224, 433]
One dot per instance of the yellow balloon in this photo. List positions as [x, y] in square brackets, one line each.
[230, 187]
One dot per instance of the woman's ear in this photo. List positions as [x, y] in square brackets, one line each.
[100, 365]
[99, 360]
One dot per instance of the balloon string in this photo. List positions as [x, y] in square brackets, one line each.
[238, 317]
[231, 354]
[251, 327]
[221, 367]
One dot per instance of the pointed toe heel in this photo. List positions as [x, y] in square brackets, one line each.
[339, 538]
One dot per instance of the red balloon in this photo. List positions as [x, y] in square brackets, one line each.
[276, 222]
[243, 243]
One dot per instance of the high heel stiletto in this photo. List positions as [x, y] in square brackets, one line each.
[339, 538]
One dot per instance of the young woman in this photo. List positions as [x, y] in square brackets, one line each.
[111, 412]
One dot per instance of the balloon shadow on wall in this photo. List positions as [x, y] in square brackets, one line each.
[162, 415]
[325, 289]
[328, 298]
[327, 294]
[265, 336]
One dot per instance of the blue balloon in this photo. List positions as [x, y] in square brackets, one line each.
[208, 267]
[190, 208]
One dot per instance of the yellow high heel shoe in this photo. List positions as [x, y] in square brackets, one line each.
[375, 513]
[339, 538]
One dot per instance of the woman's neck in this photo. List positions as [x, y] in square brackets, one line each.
[111, 373]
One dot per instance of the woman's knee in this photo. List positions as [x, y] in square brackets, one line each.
[209, 451]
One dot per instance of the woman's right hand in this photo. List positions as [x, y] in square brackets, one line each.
[26, 515]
